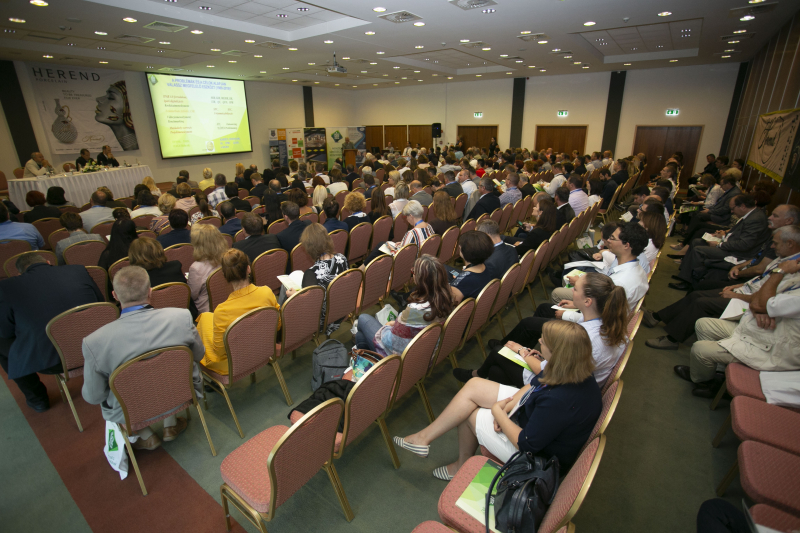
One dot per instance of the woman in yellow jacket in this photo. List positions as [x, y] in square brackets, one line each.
[244, 298]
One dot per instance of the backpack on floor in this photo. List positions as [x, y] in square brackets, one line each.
[330, 360]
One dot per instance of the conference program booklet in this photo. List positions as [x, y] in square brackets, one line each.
[711, 238]
[388, 248]
[510, 354]
[626, 216]
[473, 500]
[735, 310]
[293, 281]
[688, 208]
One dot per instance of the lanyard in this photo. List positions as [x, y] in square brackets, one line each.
[528, 394]
[418, 223]
[767, 272]
[133, 308]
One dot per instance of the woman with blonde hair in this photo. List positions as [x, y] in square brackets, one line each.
[556, 411]
[208, 179]
[208, 245]
[400, 198]
[444, 212]
[244, 298]
[318, 197]
[151, 186]
[392, 178]
[166, 203]
[355, 203]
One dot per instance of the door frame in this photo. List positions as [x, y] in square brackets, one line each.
[585, 139]
[699, 140]
[474, 125]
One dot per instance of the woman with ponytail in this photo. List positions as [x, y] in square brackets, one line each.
[605, 312]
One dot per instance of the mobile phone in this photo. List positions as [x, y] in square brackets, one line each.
[520, 224]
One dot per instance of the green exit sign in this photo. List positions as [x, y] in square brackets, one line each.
[671, 112]
[478, 114]
[563, 113]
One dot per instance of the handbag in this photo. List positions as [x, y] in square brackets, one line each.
[362, 360]
[523, 495]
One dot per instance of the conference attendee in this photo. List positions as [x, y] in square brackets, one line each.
[106, 158]
[475, 248]
[110, 202]
[148, 253]
[38, 211]
[37, 166]
[185, 175]
[401, 194]
[241, 180]
[185, 198]
[525, 186]
[74, 226]
[453, 188]
[442, 215]
[203, 209]
[487, 200]
[123, 233]
[512, 193]
[166, 203]
[715, 217]
[231, 224]
[558, 180]
[564, 398]
[743, 241]
[348, 145]
[146, 205]
[275, 188]
[84, 159]
[418, 193]
[355, 203]
[620, 171]
[256, 242]
[232, 192]
[244, 298]
[578, 199]
[55, 197]
[656, 229]
[208, 179]
[27, 304]
[259, 187]
[680, 318]
[180, 179]
[98, 212]
[290, 237]
[112, 345]
[535, 234]
[208, 245]
[218, 194]
[503, 255]
[352, 175]
[564, 212]
[429, 303]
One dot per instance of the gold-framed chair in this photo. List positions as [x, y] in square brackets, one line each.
[416, 359]
[217, 288]
[10, 266]
[268, 266]
[341, 298]
[483, 306]
[172, 294]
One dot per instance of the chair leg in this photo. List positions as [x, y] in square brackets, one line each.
[546, 296]
[732, 473]
[516, 305]
[229, 496]
[389, 444]
[62, 388]
[453, 360]
[339, 489]
[233, 413]
[133, 462]
[277, 368]
[530, 293]
[252, 378]
[500, 321]
[205, 427]
[722, 390]
[480, 343]
[723, 430]
[425, 401]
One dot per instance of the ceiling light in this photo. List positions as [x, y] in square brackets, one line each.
[380, 53]
[312, 64]
[39, 3]
[160, 51]
[404, 78]
[567, 57]
[215, 49]
[197, 32]
[249, 41]
[126, 19]
[740, 31]
[746, 18]
[355, 86]
[101, 47]
[96, 33]
[363, 72]
[379, 9]
[262, 71]
[232, 61]
[104, 62]
[373, 63]
[258, 55]
[725, 57]
[660, 46]
[590, 23]
[164, 42]
[509, 73]
[525, 32]
[293, 49]
[627, 64]
[281, 15]
[388, 75]
[749, 1]
[576, 62]
[556, 49]
[478, 75]
[503, 55]
[585, 67]
[328, 42]
[148, 66]
[285, 68]
[434, 75]
[665, 13]
[673, 60]
[397, 83]
[542, 70]
[346, 57]
[395, 67]
[419, 24]
[419, 46]
[205, 8]
[486, 48]
[47, 57]
[732, 42]
[449, 77]
[302, 9]
[464, 40]
[419, 80]
[369, 33]
[488, 11]
[335, 84]
[728, 50]
[294, 80]
[519, 61]
[210, 66]
[542, 42]
[531, 66]
[316, 82]
[416, 72]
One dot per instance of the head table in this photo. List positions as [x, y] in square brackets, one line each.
[78, 187]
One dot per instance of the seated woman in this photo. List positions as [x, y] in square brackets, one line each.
[166, 203]
[318, 198]
[123, 233]
[38, 211]
[595, 191]
[55, 197]
[444, 214]
[400, 198]
[208, 246]
[475, 247]
[428, 303]
[327, 265]
[146, 203]
[331, 209]
[151, 186]
[355, 203]
[299, 196]
[147, 253]
[556, 411]
[204, 209]
[535, 234]
[185, 198]
[272, 208]
[605, 319]
[420, 230]
[244, 298]
[656, 228]
[377, 206]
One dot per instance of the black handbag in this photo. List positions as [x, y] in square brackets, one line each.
[523, 494]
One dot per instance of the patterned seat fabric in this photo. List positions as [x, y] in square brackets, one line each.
[755, 420]
[225, 380]
[741, 380]
[452, 515]
[770, 476]
[431, 527]
[776, 519]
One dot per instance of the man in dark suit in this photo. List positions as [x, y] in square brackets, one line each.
[275, 186]
[180, 234]
[27, 303]
[620, 171]
[743, 240]
[232, 192]
[609, 188]
[525, 186]
[487, 202]
[352, 175]
[256, 243]
[181, 179]
[453, 188]
[564, 211]
[715, 216]
[259, 187]
[369, 186]
[504, 255]
[230, 224]
[290, 237]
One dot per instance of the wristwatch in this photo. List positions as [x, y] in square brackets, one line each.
[777, 271]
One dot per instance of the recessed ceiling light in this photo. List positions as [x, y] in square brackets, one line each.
[519, 61]
[576, 62]
[294, 80]
[404, 78]
[373, 62]
[249, 41]
[302, 9]
[419, 46]
[665, 13]
[328, 42]
[281, 15]
[379, 9]
[585, 67]
[509, 73]
[395, 67]
[478, 75]
[285, 68]
[363, 72]
[673, 60]
[531, 66]
[215, 49]
[556, 49]
[369, 33]
[567, 57]
[312, 64]
[355, 86]
[488, 11]
[39, 3]
[47, 57]
[205, 8]
[293, 49]
[262, 71]
[419, 24]
[746, 18]
[627, 64]
[96, 33]
[388, 75]
[525, 32]
[503, 55]
[210, 66]
[486, 48]
[197, 32]
[590, 23]
[103, 62]
[660, 46]
[101, 47]
[232, 61]
[749, 1]
[160, 51]
[335, 84]
[126, 19]
[542, 42]
[397, 83]
[449, 77]
[258, 55]
[316, 82]
[542, 70]
[740, 31]
[374, 84]
[346, 57]
[728, 50]
[148, 66]
[164, 42]
[464, 40]
[380, 53]
[434, 75]
[725, 57]
[732, 42]
[416, 72]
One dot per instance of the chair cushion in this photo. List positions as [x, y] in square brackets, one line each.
[741, 380]
[245, 469]
[74, 373]
[432, 527]
[755, 420]
[776, 519]
[297, 415]
[486, 453]
[770, 476]
[224, 379]
[452, 515]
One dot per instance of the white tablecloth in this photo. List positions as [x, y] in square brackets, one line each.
[79, 187]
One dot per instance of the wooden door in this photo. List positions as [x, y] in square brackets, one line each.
[397, 135]
[561, 138]
[419, 133]
[658, 143]
[374, 137]
[480, 136]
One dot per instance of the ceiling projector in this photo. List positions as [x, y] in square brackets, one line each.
[336, 68]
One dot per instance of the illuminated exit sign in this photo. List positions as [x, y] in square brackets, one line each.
[478, 114]
[563, 113]
[672, 112]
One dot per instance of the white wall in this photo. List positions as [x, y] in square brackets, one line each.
[332, 108]
[703, 94]
[8, 153]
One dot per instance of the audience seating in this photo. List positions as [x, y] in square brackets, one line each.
[416, 359]
[483, 307]
[402, 265]
[461, 203]
[228, 239]
[526, 272]
[100, 277]
[771, 517]
[146, 233]
[300, 320]
[218, 289]
[86, 253]
[181, 252]
[740, 380]
[300, 259]
[46, 227]
[277, 227]
[103, 229]
[381, 230]
[505, 217]
[340, 238]
[10, 265]
[341, 298]
[174, 294]
[448, 246]
[400, 227]
[214, 221]
[376, 276]
[268, 266]
[468, 225]
[117, 266]
[358, 242]
[770, 476]
[506, 286]
[430, 246]
[143, 221]
[13, 247]
[56, 236]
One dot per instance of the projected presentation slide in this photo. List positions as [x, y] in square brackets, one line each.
[199, 116]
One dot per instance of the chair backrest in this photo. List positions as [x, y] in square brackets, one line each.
[368, 206]
[302, 451]
[376, 279]
[86, 253]
[516, 214]
[104, 228]
[240, 236]
[468, 225]
[506, 286]
[497, 215]
[143, 221]
[228, 239]
[67, 330]
[448, 246]
[454, 328]
[400, 226]
[117, 266]
[242, 193]
[505, 217]
[616, 371]
[380, 230]
[56, 236]
[461, 202]
[212, 220]
[342, 295]
[250, 341]
[417, 359]
[14, 247]
[340, 197]
[358, 242]
[403, 263]
[277, 227]
[369, 398]
[573, 489]
[174, 294]
[525, 270]
[146, 233]
[154, 385]
[300, 317]
[181, 252]
[218, 289]
[300, 259]
[100, 277]
[19, 172]
[193, 210]
[46, 227]
[610, 401]
[379, 175]
[163, 231]
[254, 200]
[311, 217]
[10, 266]
[483, 308]
[128, 201]
[431, 245]
[268, 266]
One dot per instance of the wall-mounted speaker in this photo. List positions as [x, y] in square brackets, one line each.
[436, 130]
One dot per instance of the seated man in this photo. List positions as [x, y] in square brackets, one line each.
[230, 224]
[36, 166]
[765, 338]
[716, 216]
[18, 230]
[98, 212]
[73, 223]
[290, 237]
[486, 203]
[179, 222]
[256, 243]
[512, 192]
[503, 256]
[27, 304]
[218, 194]
[232, 191]
[681, 316]
[259, 187]
[109, 347]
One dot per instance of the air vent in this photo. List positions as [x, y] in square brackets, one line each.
[513, 58]
[358, 61]
[466, 5]
[400, 17]
[237, 53]
[533, 37]
[737, 36]
[474, 44]
[170, 69]
[46, 37]
[561, 53]
[165, 26]
[271, 44]
[758, 9]
[133, 39]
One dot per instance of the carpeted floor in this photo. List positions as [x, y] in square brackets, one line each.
[657, 469]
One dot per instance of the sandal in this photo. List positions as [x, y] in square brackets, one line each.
[417, 449]
[442, 473]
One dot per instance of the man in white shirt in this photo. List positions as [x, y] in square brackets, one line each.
[320, 168]
[557, 181]
[465, 179]
[577, 196]
[608, 158]
[37, 166]
[407, 150]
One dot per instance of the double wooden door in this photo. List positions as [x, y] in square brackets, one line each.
[480, 136]
[658, 143]
[561, 138]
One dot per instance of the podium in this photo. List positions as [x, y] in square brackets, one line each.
[350, 156]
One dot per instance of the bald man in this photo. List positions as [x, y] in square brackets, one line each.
[37, 166]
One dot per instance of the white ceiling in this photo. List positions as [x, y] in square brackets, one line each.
[65, 29]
